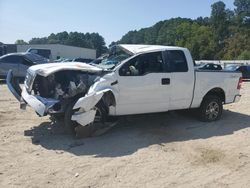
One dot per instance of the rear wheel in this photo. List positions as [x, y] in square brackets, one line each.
[210, 109]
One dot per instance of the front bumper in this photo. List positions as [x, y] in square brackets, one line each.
[13, 85]
[39, 104]
[42, 106]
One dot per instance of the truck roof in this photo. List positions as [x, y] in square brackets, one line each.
[138, 48]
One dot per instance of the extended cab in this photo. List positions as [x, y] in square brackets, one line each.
[133, 79]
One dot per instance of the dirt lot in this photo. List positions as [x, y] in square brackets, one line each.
[157, 150]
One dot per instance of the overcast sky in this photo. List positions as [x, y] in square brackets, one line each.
[24, 19]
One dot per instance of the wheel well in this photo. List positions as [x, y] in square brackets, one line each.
[109, 99]
[218, 92]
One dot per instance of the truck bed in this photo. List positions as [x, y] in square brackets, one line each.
[206, 80]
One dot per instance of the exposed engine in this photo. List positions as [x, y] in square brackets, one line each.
[64, 84]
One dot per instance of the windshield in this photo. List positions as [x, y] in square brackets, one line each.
[231, 67]
[35, 58]
[115, 56]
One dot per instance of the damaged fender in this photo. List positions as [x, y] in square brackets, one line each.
[88, 102]
[84, 118]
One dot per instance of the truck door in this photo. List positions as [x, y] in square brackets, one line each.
[182, 79]
[144, 85]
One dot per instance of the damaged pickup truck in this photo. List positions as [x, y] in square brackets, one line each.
[133, 79]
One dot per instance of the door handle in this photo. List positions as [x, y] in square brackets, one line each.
[165, 81]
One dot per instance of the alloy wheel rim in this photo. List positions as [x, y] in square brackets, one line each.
[212, 110]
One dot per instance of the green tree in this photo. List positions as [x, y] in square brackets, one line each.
[237, 43]
[20, 41]
[43, 40]
[88, 40]
[219, 23]
[245, 55]
[216, 37]
[242, 11]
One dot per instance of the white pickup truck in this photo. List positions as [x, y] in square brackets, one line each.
[133, 79]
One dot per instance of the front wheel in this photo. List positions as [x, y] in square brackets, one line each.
[210, 109]
[87, 130]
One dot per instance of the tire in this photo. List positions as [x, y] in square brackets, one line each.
[69, 125]
[211, 109]
[73, 127]
[57, 118]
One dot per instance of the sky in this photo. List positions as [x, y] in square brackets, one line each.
[25, 19]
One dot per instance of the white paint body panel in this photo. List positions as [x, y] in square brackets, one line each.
[142, 94]
[138, 48]
[84, 118]
[89, 101]
[182, 85]
[205, 81]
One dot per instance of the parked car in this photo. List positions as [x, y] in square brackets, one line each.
[83, 60]
[146, 79]
[19, 63]
[42, 52]
[210, 66]
[99, 59]
[231, 67]
[244, 69]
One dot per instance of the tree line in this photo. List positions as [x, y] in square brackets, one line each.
[223, 35]
[87, 40]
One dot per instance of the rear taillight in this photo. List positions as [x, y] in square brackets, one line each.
[239, 83]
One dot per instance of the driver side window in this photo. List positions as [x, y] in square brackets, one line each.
[143, 64]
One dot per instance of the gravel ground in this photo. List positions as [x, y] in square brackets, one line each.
[156, 150]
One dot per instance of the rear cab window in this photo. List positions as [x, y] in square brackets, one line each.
[176, 61]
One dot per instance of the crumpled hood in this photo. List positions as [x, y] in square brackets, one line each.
[49, 68]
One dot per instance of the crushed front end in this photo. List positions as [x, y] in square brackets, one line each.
[52, 92]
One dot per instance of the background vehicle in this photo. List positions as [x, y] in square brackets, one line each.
[19, 63]
[142, 79]
[99, 59]
[244, 69]
[42, 52]
[83, 60]
[210, 66]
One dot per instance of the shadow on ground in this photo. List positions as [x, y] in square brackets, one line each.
[136, 132]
